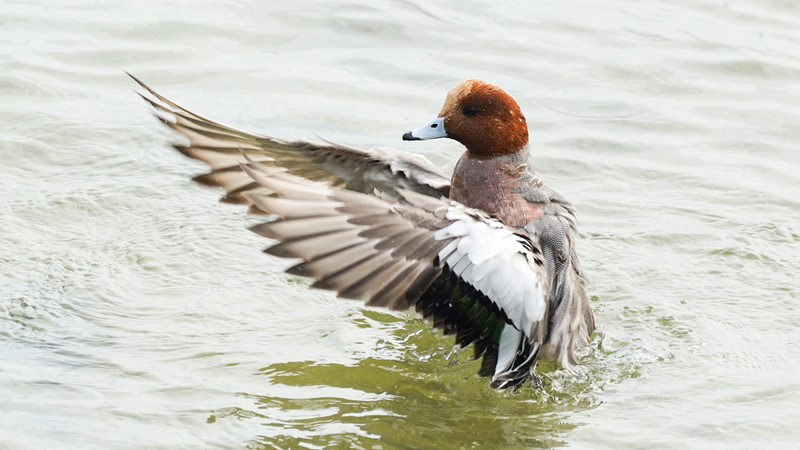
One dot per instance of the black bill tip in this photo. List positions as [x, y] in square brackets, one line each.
[410, 137]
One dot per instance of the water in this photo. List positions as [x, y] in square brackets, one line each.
[136, 311]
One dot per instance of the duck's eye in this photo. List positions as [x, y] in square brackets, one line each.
[471, 111]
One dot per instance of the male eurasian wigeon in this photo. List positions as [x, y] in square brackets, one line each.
[488, 254]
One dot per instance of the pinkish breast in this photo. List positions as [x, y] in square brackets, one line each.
[488, 185]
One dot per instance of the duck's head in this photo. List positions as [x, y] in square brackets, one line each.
[482, 117]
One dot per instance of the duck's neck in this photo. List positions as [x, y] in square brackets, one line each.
[507, 159]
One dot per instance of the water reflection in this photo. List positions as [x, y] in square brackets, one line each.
[426, 396]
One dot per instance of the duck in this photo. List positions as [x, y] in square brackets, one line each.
[487, 254]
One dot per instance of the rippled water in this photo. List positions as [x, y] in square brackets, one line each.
[136, 311]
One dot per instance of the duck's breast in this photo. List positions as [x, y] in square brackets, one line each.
[492, 185]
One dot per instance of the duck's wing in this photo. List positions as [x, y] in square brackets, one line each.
[221, 147]
[571, 318]
[466, 272]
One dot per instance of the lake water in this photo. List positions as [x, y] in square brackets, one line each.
[137, 312]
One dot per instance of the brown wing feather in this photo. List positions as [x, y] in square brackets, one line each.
[221, 147]
[351, 243]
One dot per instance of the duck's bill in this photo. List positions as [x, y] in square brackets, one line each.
[432, 130]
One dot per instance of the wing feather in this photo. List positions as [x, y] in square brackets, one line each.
[466, 272]
[221, 147]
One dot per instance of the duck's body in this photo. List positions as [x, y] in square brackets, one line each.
[506, 188]
[494, 263]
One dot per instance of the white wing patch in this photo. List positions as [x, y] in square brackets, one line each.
[510, 339]
[495, 261]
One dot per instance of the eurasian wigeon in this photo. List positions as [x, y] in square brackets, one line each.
[488, 254]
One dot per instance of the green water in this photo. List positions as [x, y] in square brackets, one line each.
[136, 311]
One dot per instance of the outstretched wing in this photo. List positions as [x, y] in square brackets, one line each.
[221, 147]
[468, 273]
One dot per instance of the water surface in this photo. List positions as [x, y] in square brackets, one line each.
[136, 311]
